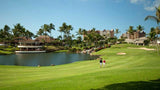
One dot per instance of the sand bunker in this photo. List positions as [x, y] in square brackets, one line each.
[120, 53]
[148, 49]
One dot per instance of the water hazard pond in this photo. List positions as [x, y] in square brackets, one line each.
[43, 59]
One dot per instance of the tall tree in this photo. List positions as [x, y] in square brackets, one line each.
[62, 29]
[117, 32]
[40, 32]
[45, 29]
[18, 30]
[93, 30]
[1, 35]
[79, 33]
[52, 27]
[155, 18]
[79, 38]
[157, 30]
[84, 32]
[66, 29]
[29, 34]
[130, 30]
[5, 34]
[152, 34]
[140, 28]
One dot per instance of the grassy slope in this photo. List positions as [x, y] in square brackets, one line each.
[5, 52]
[136, 65]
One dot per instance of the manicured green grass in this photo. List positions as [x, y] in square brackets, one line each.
[5, 52]
[134, 70]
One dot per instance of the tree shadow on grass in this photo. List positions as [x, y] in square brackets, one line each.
[140, 85]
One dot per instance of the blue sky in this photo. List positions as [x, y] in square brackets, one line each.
[100, 14]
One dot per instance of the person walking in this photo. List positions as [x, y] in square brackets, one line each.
[100, 62]
[104, 62]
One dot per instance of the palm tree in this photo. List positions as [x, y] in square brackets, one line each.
[84, 33]
[45, 29]
[7, 32]
[1, 35]
[66, 30]
[152, 34]
[93, 30]
[59, 37]
[6, 29]
[18, 30]
[130, 30]
[155, 18]
[79, 33]
[79, 38]
[52, 27]
[117, 32]
[62, 29]
[29, 34]
[157, 30]
[140, 28]
[40, 32]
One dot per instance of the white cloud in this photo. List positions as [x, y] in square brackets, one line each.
[152, 6]
[149, 5]
[133, 1]
[137, 1]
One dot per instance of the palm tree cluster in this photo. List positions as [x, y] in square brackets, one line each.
[66, 30]
[67, 37]
[18, 31]
[154, 31]
[90, 38]
[131, 30]
[153, 35]
[45, 29]
[5, 33]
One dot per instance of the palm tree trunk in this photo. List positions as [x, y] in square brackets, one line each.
[157, 46]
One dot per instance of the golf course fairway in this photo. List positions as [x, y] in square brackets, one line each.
[137, 69]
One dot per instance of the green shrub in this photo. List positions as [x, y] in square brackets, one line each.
[96, 50]
[72, 50]
[146, 42]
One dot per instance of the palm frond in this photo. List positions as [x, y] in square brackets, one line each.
[157, 9]
[152, 18]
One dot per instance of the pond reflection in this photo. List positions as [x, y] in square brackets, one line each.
[43, 59]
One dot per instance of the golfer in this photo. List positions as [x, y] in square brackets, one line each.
[104, 62]
[100, 62]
